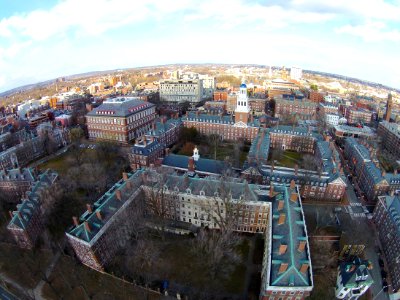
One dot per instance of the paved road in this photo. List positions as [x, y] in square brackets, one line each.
[5, 295]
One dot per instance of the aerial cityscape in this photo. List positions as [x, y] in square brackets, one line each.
[191, 179]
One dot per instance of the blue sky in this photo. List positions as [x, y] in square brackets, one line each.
[40, 40]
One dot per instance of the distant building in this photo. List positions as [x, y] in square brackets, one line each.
[389, 133]
[220, 95]
[358, 115]
[27, 221]
[178, 91]
[332, 120]
[387, 221]
[354, 279]
[304, 110]
[120, 119]
[341, 131]
[242, 125]
[315, 96]
[296, 73]
[389, 106]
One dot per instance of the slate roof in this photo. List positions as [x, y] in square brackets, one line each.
[150, 147]
[17, 174]
[393, 207]
[161, 128]
[299, 131]
[120, 107]
[290, 233]
[259, 148]
[31, 202]
[202, 165]
[355, 273]
[217, 119]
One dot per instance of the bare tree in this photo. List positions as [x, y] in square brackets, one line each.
[214, 141]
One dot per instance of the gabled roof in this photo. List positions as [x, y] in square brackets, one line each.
[356, 273]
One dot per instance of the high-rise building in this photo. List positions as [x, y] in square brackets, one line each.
[182, 90]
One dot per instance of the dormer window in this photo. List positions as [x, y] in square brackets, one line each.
[202, 193]
[188, 191]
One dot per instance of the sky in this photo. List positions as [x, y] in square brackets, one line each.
[41, 40]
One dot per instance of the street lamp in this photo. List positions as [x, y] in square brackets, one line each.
[385, 286]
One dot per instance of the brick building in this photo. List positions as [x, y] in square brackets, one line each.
[316, 97]
[390, 136]
[15, 182]
[220, 95]
[27, 221]
[145, 152]
[241, 125]
[304, 110]
[276, 211]
[387, 221]
[371, 180]
[286, 267]
[120, 119]
[358, 115]
[325, 184]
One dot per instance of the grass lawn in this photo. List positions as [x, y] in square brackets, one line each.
[70, 280]
[62, 162]
[24, 266]
[288, 158]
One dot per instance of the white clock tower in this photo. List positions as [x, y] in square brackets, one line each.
[242, 105]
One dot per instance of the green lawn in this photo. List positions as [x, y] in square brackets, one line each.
[287, 159]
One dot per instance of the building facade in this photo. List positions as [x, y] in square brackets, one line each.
[387, 222]
[304, 110]
[120, 119]
[358, 115]
[27, 220]
[178, 91]
[389, 133]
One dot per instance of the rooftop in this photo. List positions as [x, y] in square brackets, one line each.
[356, 273]
[120, 107]
[290, 257]
[219, 119]
[392, 127]
[202, 165]
[18, 174]
[31, 202]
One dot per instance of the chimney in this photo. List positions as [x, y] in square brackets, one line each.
[166, 151]
[391, 193]
[395, 172]
[271, 190]
[144, 141]
[191, 165]
[89, 208]
[302, 246]
[87, 226]
[341, 171]
[118, 194]
[282, 268]
[162, 120]
[98, 215]
[304, 268]
[292, 184]
[125, 176]
[383, 173]
[296, 169]
[282, 249]
[282, 219]
[281, 204]
[75, 220]
[11, 214]
[293, 197]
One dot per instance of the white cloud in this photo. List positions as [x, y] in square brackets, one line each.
[371, 32]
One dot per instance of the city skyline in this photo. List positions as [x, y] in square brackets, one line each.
[49, 39]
